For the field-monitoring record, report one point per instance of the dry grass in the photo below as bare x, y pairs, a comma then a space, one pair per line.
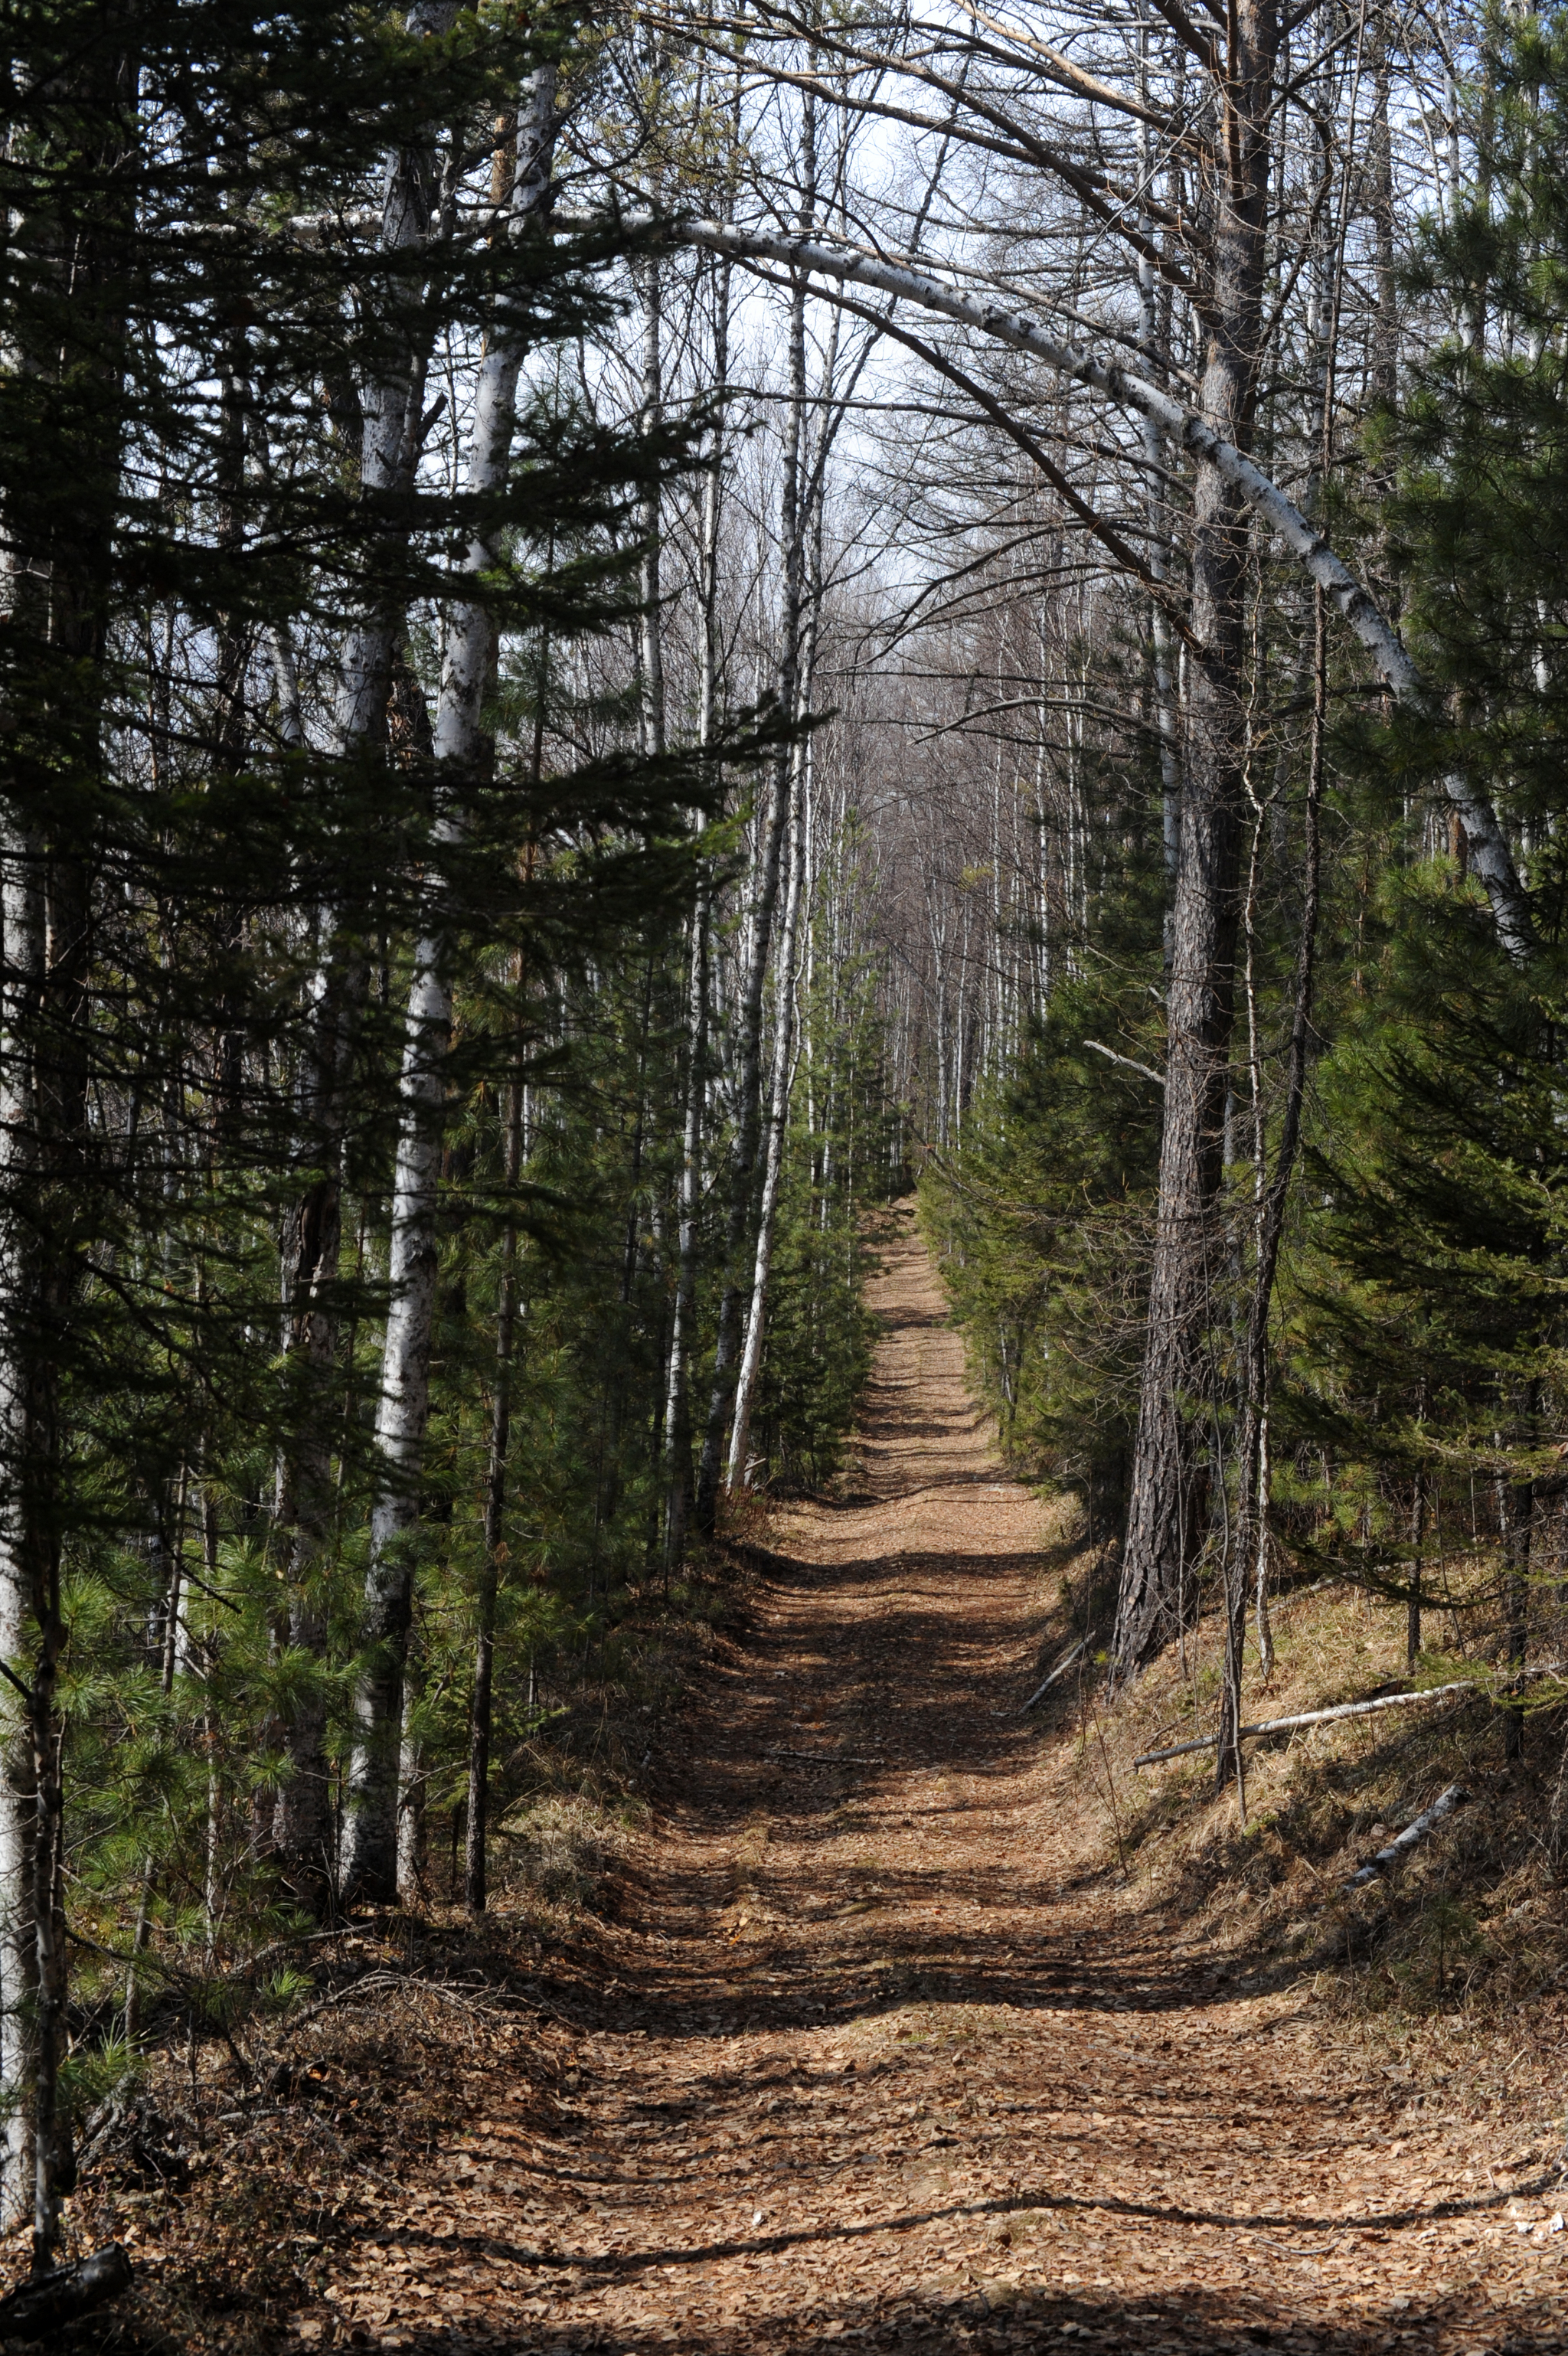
1456, 1965
558, 1846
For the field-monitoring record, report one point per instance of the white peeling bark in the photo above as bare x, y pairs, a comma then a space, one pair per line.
677, 1395
777, 1133
460, 749
651, 628
390, 402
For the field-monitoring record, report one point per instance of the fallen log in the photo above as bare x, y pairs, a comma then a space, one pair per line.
49, 2301
1400, 1846
1059, 1671
1312, 1718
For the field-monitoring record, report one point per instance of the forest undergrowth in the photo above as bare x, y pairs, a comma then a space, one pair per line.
1448, 1971
268, 2116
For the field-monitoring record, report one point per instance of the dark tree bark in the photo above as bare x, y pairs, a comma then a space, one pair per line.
1165, 1507
475, 1892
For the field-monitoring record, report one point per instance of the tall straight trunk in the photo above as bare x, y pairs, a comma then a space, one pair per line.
776, 1139
1165, 1511
678, 1400
1385, 331
1249, 1535
56, 532
42, 1120
650, 666
1516, 1517
784, 982
748, 1094
1154, 304
749, 1048
476, 1828
461, 754
677, 1408
390, 405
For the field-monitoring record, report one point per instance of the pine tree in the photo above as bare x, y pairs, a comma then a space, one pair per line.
1430, 1279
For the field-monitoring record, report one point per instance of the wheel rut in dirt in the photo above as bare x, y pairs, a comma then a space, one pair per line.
885, 2055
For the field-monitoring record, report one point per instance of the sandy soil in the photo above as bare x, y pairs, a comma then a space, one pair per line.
886, 2056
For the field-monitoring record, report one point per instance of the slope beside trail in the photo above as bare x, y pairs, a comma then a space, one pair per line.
886, 2056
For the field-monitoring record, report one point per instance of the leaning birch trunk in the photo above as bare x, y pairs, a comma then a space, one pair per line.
785, 977
369, 1850
777, 1137
390, 405
1490, 855
748, 1076
748, 1080
748, 1093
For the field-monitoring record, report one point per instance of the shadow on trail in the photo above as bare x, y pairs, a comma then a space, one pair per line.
977, 2308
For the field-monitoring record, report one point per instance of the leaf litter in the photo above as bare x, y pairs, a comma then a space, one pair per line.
878, 2053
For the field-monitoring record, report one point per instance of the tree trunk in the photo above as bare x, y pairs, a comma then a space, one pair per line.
1154, 302
777, 1139
677, 1401
479, 1717
1250, 1537
56, 562
462, 753
1165, 1512
391, 408
42, 1116
650, 650
749, 1075
678, 1407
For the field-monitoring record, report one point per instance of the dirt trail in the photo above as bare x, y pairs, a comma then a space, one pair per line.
889, 2058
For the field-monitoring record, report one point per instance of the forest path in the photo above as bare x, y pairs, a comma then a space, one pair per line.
889, 2059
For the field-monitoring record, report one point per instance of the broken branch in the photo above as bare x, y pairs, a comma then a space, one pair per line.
1059, 1671
1311, 1717
1399, 1849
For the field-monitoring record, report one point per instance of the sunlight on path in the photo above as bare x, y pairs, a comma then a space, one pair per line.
881, 2054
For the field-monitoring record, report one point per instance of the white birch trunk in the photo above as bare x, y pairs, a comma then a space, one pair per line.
777, 1136
55, 564
766, 872
391, 408
370, 1845
677, 1405
651, 628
